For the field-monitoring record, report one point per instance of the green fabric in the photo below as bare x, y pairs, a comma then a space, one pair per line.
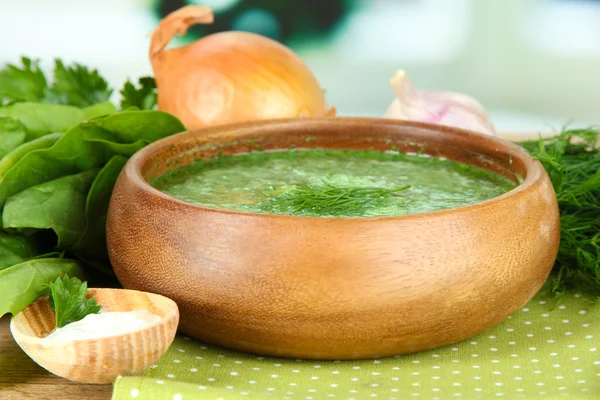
544, 351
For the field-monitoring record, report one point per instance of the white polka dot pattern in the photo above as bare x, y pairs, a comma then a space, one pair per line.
543, 351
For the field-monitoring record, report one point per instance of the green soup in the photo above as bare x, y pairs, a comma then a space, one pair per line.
331, 183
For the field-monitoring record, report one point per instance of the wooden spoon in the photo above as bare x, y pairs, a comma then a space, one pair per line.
98, 360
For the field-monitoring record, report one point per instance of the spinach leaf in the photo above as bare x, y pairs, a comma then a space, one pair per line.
15, 249
25, 83
52, 254
41, 119
69, 302
12, 158
12, 134
69, 155
88, 145
92, 243
22, 284
58, 205
97, 110
126, 132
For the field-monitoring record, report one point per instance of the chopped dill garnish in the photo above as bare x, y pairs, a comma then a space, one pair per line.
572, 160
327, 199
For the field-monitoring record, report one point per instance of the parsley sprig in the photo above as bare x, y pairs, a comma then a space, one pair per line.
68, 299
143, 97
22, 83
75, 85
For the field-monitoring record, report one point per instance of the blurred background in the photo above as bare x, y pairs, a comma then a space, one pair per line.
534, 64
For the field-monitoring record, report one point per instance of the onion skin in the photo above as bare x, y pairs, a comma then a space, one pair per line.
443, 108
229, 77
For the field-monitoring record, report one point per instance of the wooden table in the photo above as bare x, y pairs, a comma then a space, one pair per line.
21, 378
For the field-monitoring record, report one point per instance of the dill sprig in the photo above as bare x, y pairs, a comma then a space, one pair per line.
327, 199
572, 160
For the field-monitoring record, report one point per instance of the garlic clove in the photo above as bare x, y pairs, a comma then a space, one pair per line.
437, 107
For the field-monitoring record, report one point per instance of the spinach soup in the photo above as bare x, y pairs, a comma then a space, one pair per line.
331, 183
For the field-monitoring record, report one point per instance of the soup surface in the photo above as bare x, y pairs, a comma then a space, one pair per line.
331, 183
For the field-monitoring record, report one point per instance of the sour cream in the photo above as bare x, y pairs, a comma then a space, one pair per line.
105, 324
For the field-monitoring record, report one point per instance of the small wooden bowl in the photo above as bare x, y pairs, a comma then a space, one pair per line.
335, 288
98, 360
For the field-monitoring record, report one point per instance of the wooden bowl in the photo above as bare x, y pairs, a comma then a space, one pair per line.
335, 288
98, 360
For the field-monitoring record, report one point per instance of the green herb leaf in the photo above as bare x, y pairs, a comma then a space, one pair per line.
144, 97
12, 158
86, 146
327, 199
68, 155
68, 299
77, 85
572, 161
42, 119
92, 243
126, 132
97, 110
12, 134
26, 83
74, 85
23, 283
58, 205
15, 250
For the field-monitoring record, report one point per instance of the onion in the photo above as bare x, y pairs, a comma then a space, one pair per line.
443, 108
229, 76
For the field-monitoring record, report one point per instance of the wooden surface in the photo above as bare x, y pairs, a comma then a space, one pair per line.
21, 378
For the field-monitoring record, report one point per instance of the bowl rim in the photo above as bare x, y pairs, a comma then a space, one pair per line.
133, 168
36, 339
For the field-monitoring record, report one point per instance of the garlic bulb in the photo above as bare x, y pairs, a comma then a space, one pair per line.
443, 108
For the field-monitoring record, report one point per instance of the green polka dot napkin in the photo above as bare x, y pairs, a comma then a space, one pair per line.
544, 351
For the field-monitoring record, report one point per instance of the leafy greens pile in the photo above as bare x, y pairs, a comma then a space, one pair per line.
572, 160
62, 147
